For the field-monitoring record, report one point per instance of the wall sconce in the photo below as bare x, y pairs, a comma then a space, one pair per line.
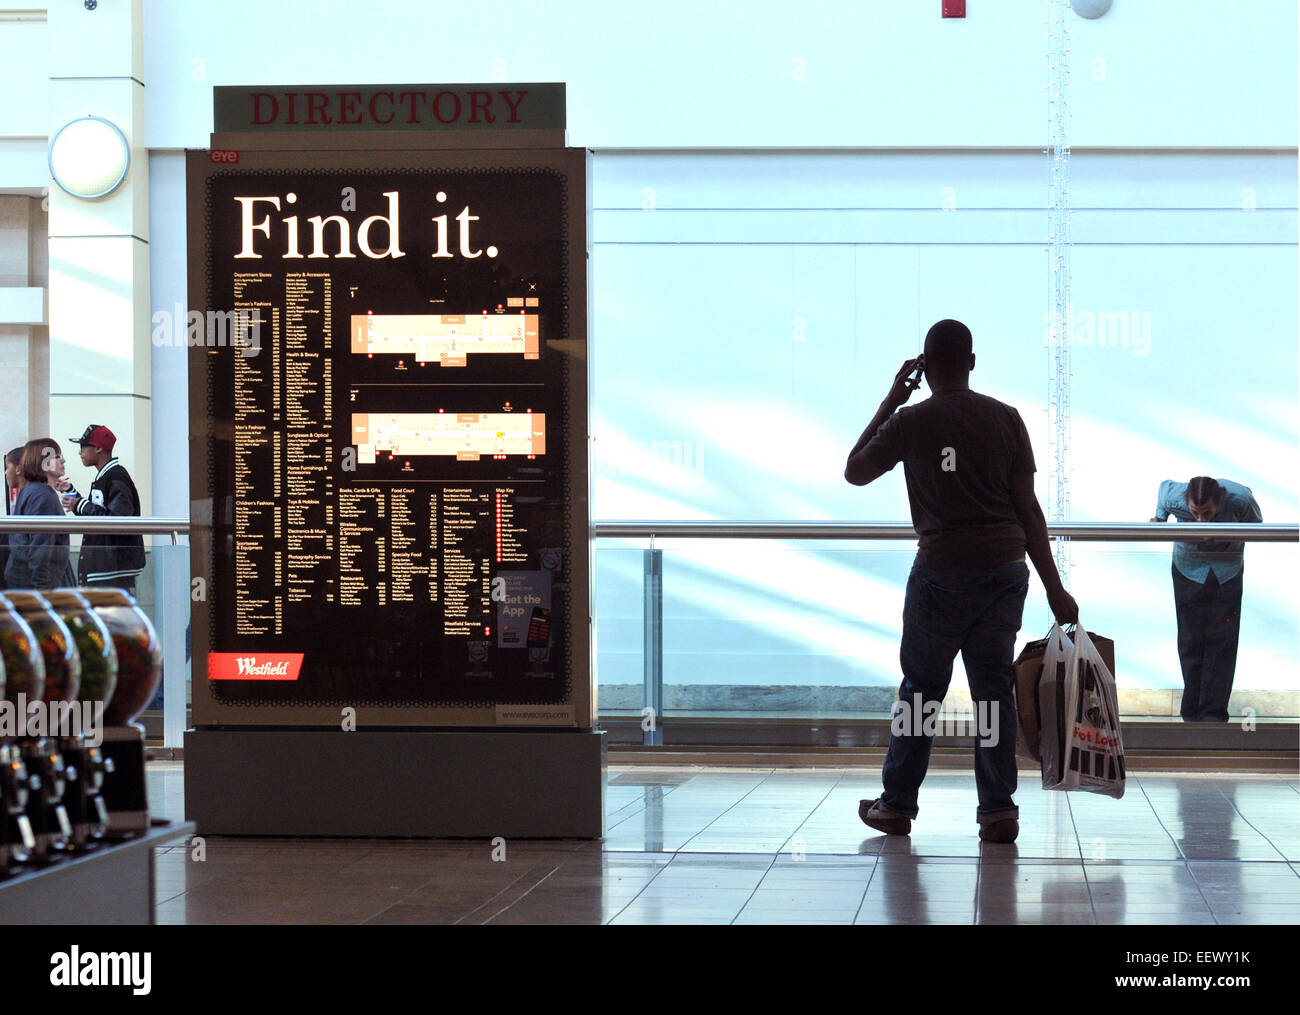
1090, 9
89, 157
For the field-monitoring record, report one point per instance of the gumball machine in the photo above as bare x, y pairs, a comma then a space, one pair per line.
16, 838
139, 671
97, 660
47, 771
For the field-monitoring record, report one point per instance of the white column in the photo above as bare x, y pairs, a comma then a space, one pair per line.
100, 355
99, 249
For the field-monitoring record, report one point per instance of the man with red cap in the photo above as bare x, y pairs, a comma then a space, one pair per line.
106, 559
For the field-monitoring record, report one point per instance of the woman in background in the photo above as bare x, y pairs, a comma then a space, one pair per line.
13, 480
13, 477
39, 560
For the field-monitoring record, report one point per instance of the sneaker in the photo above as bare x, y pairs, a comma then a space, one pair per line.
1005, 830
874, 816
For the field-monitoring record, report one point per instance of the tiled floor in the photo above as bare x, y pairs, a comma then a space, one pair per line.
744, 846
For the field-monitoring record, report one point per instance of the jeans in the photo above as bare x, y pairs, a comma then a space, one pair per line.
976, 613
1209, 622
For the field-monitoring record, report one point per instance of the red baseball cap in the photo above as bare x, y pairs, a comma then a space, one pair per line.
97, 437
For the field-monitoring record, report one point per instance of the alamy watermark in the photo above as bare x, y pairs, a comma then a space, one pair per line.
75, 968
682, 457
1111, 329
920, 718
238, 329
23, 718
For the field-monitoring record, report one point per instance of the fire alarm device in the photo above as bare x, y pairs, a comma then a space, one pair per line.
954, 8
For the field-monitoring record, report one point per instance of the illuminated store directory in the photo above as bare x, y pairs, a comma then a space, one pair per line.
394, 432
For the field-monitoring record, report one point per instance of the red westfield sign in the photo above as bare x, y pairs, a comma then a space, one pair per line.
254, 665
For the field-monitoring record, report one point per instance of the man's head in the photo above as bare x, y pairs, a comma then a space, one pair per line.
97, 442
1204, 498
948, 356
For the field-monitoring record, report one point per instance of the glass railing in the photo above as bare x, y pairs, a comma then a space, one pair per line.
803, 621
754, 622
163, 592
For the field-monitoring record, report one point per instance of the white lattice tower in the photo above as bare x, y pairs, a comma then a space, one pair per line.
1058, 256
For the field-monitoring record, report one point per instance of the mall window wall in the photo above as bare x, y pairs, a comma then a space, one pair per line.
751, 309
783, 205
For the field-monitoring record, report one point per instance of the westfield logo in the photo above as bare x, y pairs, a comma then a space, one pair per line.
254, 666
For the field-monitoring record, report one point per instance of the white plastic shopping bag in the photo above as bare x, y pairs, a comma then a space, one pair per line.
1090, 755
1051, 708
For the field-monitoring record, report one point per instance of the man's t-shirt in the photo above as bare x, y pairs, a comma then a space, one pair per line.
959, 450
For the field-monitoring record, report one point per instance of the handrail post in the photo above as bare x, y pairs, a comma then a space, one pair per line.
653, 633
172, 618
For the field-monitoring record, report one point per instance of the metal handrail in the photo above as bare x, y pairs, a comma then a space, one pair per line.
1140, 532
96, 524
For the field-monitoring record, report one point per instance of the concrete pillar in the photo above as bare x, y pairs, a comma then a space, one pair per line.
99, 327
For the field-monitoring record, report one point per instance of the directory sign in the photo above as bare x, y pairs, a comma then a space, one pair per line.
388, 391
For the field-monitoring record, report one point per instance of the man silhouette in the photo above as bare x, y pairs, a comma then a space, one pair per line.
969, 470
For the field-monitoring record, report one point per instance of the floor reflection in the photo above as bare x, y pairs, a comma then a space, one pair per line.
745, 846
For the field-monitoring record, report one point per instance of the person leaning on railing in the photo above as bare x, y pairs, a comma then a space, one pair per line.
39, 560
1207, 591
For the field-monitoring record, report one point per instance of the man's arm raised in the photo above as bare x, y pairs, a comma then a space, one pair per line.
860, 470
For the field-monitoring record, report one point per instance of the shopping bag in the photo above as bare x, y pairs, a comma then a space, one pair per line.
1051, 711
1028, 671
1091, 752
1028, 668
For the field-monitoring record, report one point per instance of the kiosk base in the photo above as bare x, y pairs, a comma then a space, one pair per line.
435, 783
113, 884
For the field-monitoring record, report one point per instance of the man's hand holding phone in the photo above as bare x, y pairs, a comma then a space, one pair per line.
907, 380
